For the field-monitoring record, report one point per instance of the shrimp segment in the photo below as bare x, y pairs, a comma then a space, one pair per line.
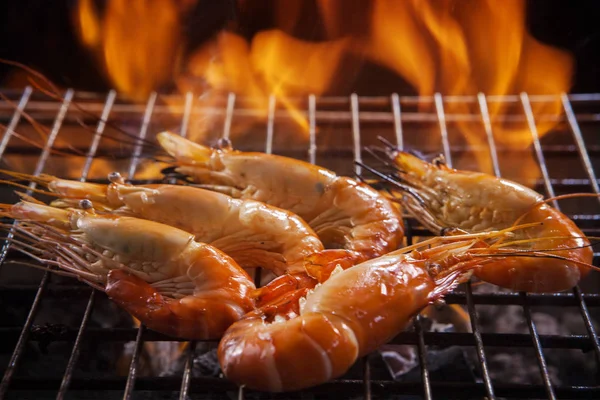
477, 202
159, 274
349, 315
344, 213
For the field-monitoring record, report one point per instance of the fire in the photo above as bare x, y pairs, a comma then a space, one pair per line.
463, 48
138, 42
450, 47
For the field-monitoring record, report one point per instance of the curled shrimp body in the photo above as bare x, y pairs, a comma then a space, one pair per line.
441, 197
253, 233
317, 338
159, 274
344, 213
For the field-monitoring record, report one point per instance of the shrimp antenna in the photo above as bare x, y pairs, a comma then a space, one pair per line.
35, 190
539, 255
391, 180
375, 152
53, 92
387, 143
567, 196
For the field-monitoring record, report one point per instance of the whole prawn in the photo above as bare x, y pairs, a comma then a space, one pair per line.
441, 197
253, 233
344, 213
312, 337
159, 274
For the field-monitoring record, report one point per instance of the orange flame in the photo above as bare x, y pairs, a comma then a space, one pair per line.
138, 42
451, 47
463, 48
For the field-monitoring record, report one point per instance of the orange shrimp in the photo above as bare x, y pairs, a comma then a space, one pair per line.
253, 233
344, 213
159, 274
441, 197
302, 341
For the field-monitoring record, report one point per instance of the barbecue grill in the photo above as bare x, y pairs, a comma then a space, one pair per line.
338, 130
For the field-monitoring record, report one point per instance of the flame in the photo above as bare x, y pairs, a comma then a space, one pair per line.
463, 48
139, 43
274, 63
446, 46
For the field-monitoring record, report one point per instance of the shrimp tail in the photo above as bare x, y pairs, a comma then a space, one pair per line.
184, 318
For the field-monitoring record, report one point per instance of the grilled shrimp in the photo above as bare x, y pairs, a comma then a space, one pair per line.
253, 233
441, 197
344, 213
159, 274
305, 341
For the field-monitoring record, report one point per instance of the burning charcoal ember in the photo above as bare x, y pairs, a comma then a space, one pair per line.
452, 363
519, 365
207, 364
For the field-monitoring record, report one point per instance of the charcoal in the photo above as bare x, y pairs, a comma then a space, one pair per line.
520, 365
207, 364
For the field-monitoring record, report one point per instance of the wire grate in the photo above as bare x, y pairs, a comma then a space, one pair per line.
337, 129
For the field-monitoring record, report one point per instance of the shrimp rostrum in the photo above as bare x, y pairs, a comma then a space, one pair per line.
556, 253
158, 273
344, 213
311, 339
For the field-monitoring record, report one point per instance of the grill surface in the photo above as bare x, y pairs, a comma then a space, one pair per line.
337, 130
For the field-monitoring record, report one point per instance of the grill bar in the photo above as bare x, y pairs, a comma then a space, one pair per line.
585, 158
367, 377
137, 150
356, 111
229, 116
187, 371
397, 113
356, 134
470, 306
14, 121
187, 112
133, 367
550, 190
312, 132
16, 356
64, 386
132, 169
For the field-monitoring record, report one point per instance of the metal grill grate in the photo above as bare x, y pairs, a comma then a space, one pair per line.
354, 120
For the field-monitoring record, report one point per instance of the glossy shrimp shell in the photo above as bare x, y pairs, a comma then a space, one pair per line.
253, 233
441, 197
350, 315
344, 213
159, 274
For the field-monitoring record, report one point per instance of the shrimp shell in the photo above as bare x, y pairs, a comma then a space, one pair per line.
159, 274
349, 315
344, 213
477, 202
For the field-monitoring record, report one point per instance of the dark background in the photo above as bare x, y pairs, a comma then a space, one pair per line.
41, 34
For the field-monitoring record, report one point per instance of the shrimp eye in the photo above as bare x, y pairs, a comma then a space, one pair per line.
439, 161
86, 204
224, 144
115, 177
435, 269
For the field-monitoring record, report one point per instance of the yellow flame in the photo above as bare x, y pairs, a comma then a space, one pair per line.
451, 47
463, 48
139, 42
